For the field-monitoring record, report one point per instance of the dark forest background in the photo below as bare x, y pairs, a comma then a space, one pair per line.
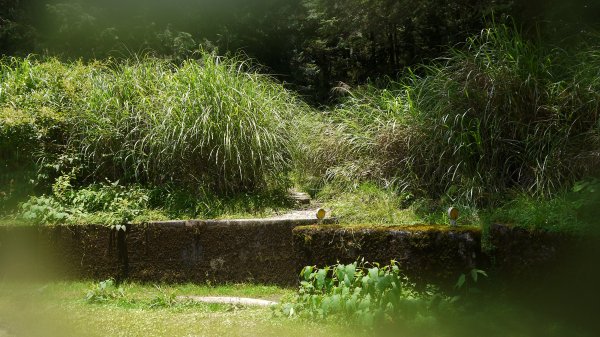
311, 45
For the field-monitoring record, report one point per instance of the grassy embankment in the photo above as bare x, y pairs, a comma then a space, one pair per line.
125, 139
499, 125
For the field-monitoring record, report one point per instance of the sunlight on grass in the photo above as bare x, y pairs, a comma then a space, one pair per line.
60, 309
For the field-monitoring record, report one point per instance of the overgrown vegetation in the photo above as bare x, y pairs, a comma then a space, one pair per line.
214, 123
210, 127
430, 104
379, 300
361, 293
312, 43
504, 114
572, 211
500, 114
115, 205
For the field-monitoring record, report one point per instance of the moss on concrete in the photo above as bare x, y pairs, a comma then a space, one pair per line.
437, 254
274, 251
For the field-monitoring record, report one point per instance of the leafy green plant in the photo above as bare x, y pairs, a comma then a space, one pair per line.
212, 123
105, 291
466, 282
164, 299
45, 210
363, 292
114, 204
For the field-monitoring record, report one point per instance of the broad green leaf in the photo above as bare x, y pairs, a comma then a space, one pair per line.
320, 277
474, 274
350, 270
365, 303
365, 282
461, 281
374, 273
306, 272
340, 272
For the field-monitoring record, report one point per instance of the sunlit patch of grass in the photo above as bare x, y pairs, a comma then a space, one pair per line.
368, 203
573, 212
59, 309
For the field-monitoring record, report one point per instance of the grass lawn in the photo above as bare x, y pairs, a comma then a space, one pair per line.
60, 309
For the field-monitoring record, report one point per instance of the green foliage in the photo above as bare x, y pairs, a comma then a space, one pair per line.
110, 203
315, 43
466, 283
500, 114
179, 203
367, 203
25, 137
108, 292
116, 205
574, 211
164, 299
213, 124
45, 210
360, 293
354, 40
105, 291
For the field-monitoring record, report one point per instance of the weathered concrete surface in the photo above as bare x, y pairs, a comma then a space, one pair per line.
274, 250
63, 252
215, 251
425, 253
531, 255
253, 250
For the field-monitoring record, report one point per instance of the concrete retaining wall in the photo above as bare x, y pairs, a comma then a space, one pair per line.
267, 251
172, 251
425, 253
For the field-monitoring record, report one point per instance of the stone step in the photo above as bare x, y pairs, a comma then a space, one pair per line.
300, 198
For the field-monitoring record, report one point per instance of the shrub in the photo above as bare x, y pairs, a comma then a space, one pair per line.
502, 113
109, 203
213, 123
359, 292
506, 113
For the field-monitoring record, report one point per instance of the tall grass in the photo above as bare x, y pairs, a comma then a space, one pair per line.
506, 113
213, 123
500, 113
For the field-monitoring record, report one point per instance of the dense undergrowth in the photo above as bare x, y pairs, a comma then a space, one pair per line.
213, 123
208, 127
500, 114
499, 118
380, 300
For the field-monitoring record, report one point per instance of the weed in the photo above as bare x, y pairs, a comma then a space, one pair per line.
214, 123
105, 291
364, 293
499, 114
164, 299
